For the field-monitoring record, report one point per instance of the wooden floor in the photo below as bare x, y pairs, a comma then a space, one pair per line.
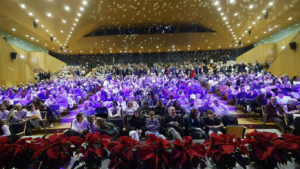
253, 122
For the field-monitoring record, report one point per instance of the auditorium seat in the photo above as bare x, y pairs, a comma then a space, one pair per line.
118, 122
264, 116
18, 128
237, 130
56, 107
44, 120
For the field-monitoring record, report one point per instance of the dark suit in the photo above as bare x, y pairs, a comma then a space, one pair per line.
271, 111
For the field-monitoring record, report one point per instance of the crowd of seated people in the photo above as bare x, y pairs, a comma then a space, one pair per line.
142, 96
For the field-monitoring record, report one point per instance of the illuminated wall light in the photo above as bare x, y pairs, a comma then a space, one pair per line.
23, 6
30, 14
251, 6
49, 14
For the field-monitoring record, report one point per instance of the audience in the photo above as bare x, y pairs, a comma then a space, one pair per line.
32, 119
173, 124
17, 113
219, 108
115, 111
107, 128
153, 126
7, 132
195, 125
213, 123
4, 113
79, 126
136, 126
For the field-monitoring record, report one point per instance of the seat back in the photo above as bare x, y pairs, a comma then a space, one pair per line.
185, 122
229, 119
237, 130
43, 114
18, 128
297, 126
118, 122
55, 107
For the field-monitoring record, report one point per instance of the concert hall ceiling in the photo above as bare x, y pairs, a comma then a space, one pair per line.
85, 26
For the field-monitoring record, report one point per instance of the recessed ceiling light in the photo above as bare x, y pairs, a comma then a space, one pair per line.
76, 19
101, 51
198, 48
79, 14
64, 21
13, 29
84, 2
270, 29
255, 36
290, 18
224, 18
276, 26
57, 41
42, 26
45, 44
81, 8
37, 20
264, 11
47, 30
235, 14
282, 47
228, 26
49, 14
222, 14
67, 8
242, 34
258, 17
226, 22
50, 34
248, 40
74, 24
265, 32
32, 38
231, 1
238, 24
72, 28
208, 47
62, 31
173, 46
230, 29
253, 22
249, 27
271, 3
80, 51
216, 3
30, 13
71, 32
54, 38
251, 6
23, 6
219, 46
219, 8
142, 47
69, 35
27, 36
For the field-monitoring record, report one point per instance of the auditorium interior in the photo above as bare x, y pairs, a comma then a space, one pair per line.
153, 74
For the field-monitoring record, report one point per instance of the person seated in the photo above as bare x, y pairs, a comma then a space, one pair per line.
156, 99
295, 93
183, 101
135, 105
213, 123
281, 99
258, 102
107, 128
17, 113
87, 110
62, 101
276, 113
26, 101
115, 111
7, 132
136, 126
7, 104
219, 108
203, 110
251, 94
153, 126
92, 125
129, 110
173, 124
101, 111
43, 95
178, 109
51, 100
50, 114
198, 101
148, 99
32, 119
79, 126
145, 109
121, 103
195, 125
4, 114
37, 103
159, 109
188, 108
291, 108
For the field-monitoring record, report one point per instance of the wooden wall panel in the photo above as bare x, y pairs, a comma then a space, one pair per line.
13, 71
283, 43
288, 61
47, 62
31, 61
260, 53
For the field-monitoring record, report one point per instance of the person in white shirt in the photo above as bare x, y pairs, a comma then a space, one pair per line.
3, 112
32, 119
50, 101
5, 131
79, 126
291, 107
219, 108
282, 99
17, 113
115, 111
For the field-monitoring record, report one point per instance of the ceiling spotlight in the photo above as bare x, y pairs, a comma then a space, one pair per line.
50, 34
253, 22
67, 8
54, 38
69, 35
49, 14
22, 56
74, 24
27, 36
235, 14
47, 31
64, 21
258, 17
23, 6
228, 26
249, 27
255, 36
276, 26
219, 8
290, 18
271, 3
242, 34
230, 29
282, 47
142, 47
265, 32
238, 24
45, 44
13, 29
81, 8
62, 31
173, 46
231, 1
84, 2
222, 14
30, 13
42, 26
76, 19
270, 29
37, 40
251, 6
37, 20
32, 38
72, 28
264, 11
248, 40
216, 3
226, 22
79, 14
224, 18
